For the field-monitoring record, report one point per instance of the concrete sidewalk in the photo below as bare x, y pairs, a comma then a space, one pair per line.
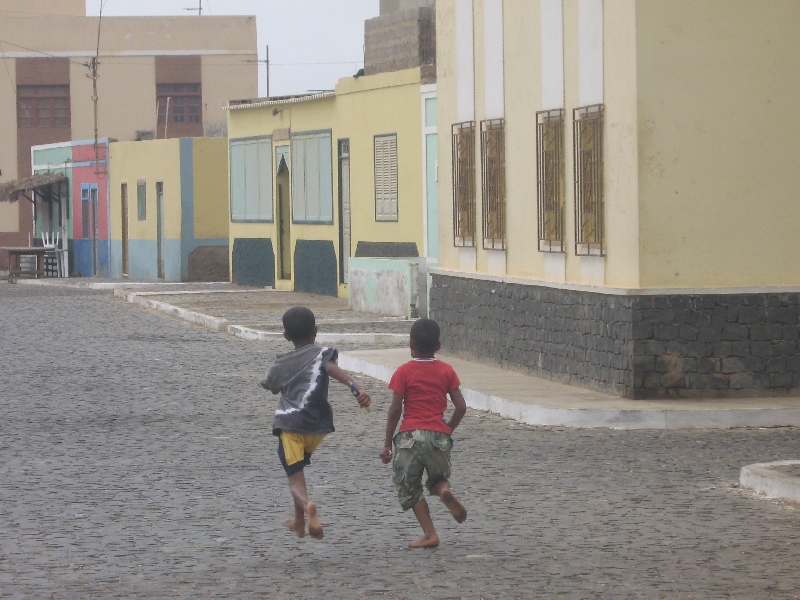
254, 314
536, 401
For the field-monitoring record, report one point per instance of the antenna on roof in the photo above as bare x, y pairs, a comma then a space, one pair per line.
199, 8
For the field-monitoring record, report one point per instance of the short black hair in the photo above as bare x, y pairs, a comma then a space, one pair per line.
299, 323
425, 335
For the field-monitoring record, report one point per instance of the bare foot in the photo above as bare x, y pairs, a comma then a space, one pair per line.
426, 541
314, 526
456, 508
299, 529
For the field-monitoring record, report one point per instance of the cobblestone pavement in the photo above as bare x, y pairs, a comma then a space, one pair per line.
262, 310
136, 460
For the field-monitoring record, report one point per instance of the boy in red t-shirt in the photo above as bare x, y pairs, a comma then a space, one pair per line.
421, 387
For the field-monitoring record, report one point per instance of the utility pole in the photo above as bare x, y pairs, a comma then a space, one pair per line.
199, 8
267, 63
92, 65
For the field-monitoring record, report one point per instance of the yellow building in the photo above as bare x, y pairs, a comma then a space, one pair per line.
651, 146
317, 179
169, 209
158, 77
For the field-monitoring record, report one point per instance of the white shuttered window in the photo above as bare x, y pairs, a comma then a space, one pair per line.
312, 178
251, 180
386, 177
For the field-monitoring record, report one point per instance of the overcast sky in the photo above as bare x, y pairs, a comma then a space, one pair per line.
312, 43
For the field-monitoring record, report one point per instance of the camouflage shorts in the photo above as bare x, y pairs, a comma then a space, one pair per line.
417, 451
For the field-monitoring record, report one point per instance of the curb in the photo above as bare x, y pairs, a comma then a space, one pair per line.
246, 333
766, 479
186, 315
531, 414
111, 285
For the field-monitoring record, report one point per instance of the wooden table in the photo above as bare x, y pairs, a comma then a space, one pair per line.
14, 262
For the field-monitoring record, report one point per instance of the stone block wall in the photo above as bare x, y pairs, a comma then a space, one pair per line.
716, 345
400, 40
638, 346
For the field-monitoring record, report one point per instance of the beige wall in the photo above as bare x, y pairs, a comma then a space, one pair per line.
523, 93
16, 8
446, 91
620, 148
719, 144
122, 108
9, 211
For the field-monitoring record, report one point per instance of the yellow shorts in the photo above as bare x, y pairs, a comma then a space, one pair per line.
295, 450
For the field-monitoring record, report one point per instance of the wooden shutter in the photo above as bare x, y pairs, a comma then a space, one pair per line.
386, 178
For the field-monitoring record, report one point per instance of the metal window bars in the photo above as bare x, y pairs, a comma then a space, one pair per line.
464, 184
550, 179
493, 175
588, 147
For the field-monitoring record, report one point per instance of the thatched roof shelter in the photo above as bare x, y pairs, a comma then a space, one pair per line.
12, 191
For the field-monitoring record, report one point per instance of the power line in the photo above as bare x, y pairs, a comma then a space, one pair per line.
40, 52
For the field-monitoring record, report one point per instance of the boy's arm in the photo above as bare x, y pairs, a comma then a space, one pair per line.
461, 408
269, 383
392, 419
343, 376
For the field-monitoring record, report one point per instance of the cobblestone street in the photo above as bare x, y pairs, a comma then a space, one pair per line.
137, 460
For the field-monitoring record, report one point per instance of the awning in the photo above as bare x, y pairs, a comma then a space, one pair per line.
11, 191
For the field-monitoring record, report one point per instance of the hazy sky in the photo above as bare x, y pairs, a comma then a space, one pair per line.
312, 43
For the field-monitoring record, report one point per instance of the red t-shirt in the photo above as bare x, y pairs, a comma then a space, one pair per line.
424, 384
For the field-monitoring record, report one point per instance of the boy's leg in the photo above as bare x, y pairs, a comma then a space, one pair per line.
295, 451
430, 539
303, 507
297, 485
442, 489
439, 468
408, 470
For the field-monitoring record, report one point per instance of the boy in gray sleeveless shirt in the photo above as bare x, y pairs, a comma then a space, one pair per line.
304, 416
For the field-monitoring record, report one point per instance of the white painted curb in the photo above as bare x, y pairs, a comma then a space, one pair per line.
246, 333
766, 479
186, 315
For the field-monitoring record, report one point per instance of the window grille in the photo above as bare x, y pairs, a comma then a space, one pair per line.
386, 177
43, 106
588, 146
550, 179
185, 103
493, 164
464, 184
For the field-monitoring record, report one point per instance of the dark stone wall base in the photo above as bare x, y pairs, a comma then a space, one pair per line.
661, 346
253, 262
315, 268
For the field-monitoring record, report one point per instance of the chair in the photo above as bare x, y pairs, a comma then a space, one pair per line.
55, 257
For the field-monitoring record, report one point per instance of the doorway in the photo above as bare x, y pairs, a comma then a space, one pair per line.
125, 259
344, 209
283, 181
160, 227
